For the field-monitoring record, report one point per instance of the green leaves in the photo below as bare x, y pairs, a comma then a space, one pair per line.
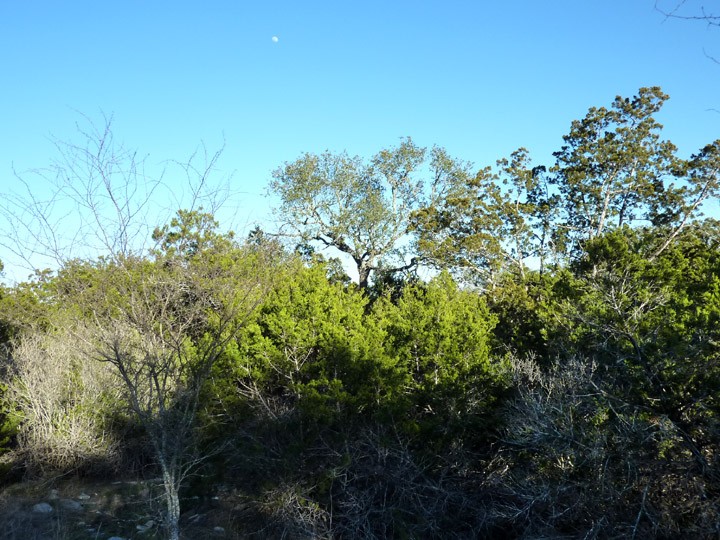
360, 209
438, 331
652, 321
423, 359
486, 222
191, 233
440, 335
614, 168
461, 231
312, 344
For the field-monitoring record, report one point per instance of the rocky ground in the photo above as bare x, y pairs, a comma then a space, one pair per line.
79, 510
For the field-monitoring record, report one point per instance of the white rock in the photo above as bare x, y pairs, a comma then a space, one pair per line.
148, 525
42, 508
69, 504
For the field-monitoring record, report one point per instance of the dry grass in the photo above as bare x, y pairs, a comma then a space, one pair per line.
62, 394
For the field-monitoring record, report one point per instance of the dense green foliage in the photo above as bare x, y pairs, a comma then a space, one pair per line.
530, 351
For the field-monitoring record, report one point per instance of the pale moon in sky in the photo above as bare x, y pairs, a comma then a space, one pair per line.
275, 39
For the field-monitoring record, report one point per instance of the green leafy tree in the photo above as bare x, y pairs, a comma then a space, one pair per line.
612, 167
189, 234
615, 170
487, 222
529, 311
629, 412
9, 418
358, 208
312, 346
526, 212
461, 231
652, 323
701, 182
441, 336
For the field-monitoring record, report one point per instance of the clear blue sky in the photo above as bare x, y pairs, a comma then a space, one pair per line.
479, 78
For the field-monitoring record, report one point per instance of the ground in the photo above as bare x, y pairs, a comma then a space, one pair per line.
74, 509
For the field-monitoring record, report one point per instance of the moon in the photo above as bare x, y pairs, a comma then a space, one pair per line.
275, 39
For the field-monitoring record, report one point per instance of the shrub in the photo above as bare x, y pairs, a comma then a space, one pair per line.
66, 401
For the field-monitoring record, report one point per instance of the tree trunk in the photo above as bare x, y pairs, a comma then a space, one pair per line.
172, 502
364, 270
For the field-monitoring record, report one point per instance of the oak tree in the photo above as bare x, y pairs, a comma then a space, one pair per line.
355, 207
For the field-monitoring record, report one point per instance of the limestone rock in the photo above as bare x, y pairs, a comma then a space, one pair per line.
42, 508
69, 504
147, 526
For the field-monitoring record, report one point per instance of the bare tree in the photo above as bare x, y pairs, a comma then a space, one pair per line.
94, 197
162, 325
158, 306
99, 197
690, 11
